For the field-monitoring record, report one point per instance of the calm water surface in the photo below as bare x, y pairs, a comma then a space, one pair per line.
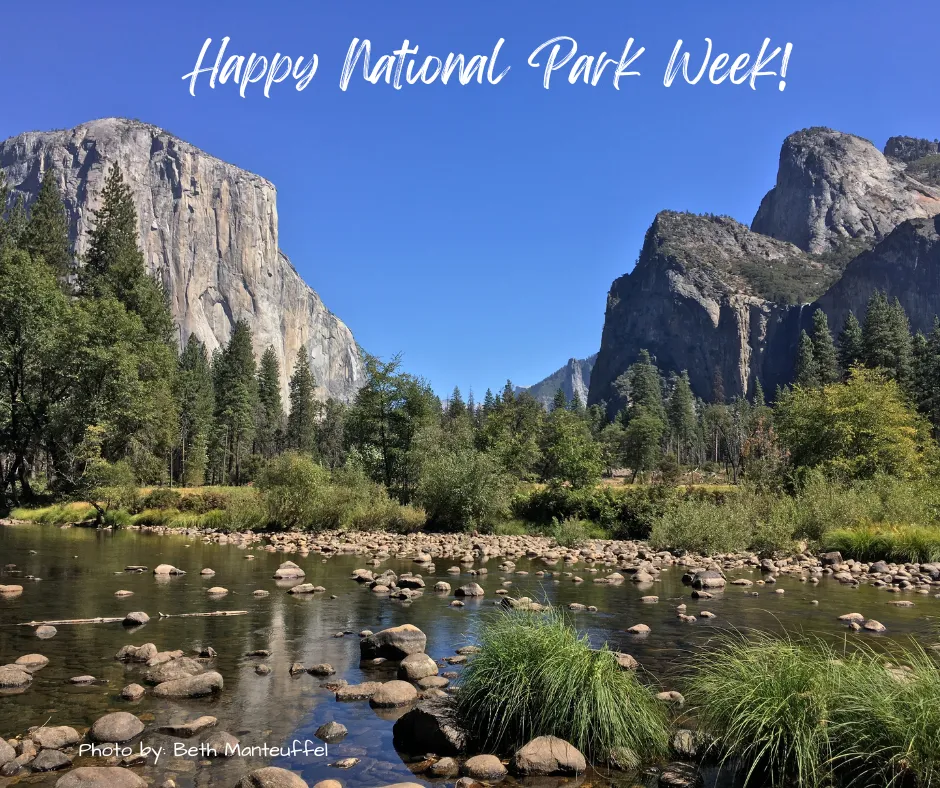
80, 569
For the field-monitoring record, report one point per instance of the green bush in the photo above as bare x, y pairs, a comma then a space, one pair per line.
462, 490
117, 518
906, 543
162, 498
574, 533
155, 517
534, 676
292, 486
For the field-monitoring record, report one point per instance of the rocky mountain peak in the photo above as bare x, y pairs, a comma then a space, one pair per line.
908, 149
835, 188
208, 230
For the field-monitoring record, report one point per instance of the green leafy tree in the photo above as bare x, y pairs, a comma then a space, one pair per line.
304, 407
511, 431
569, 452
643, 437
46, 235
854, 430
331, 447
824, 350
269, 421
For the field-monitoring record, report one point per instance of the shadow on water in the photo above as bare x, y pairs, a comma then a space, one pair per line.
81, 570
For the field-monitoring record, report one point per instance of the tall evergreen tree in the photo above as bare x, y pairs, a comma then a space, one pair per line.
46, 235
878, 334
807, 373
196, 404
304, 408
559, 401
851, 344
269, 426
681, 412
760, 400
114, 264
644, 387
900, 328
236, 397
824, 350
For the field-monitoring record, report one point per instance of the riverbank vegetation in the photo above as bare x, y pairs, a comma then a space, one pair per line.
98, 398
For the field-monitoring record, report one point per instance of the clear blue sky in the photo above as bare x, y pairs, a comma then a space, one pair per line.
477, 229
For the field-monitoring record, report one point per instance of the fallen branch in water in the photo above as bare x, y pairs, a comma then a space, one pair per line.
100, 620
205, 615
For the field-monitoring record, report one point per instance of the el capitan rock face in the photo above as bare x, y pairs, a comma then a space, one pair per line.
833, 188
208, 230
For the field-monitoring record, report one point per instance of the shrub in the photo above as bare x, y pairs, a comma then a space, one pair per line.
898, 543
462, 490
292, 487
573, 533
768, 702
162, 498
59, 514
117, 518
534, 676
155, 517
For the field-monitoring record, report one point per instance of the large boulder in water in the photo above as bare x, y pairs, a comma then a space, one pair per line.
394, 643
56, 737
180, 668
142, 653
548, 755
191, 687
431, 726
708, 578
14, 677
289, 571
119, 726
100, 777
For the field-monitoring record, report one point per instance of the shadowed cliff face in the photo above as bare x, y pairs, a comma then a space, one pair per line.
208, 230
906, 265
708, 296
834, 187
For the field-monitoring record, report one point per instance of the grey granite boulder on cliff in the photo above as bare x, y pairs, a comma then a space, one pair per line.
908, 149
707, 295
209, 231
833, 188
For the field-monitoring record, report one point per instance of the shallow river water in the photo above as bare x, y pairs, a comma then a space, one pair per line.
80, 569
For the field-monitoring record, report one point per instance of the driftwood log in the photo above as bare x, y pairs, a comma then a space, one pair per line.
103, 620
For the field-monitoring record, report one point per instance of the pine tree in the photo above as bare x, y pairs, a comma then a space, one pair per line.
824, 350
878, 334
12, 219
304, 409
760, 400
681, 412
489, 401
236, 398
851, 344
807, 373
559, 401
269, 425
576, 405
900, 328
645, 386
196, 403
114, 264
46, 235
718, 388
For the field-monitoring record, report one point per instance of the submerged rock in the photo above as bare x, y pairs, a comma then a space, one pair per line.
191, 687
100, 777
116, 727
271, 777
548, 755
484, 767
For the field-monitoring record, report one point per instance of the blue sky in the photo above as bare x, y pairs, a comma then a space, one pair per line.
477, 229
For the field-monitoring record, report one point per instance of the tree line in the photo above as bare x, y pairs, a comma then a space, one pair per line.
97, 392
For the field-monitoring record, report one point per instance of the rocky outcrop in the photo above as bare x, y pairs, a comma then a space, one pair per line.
574, 379
209, 231
908, 149
833, 188
906, 265
709, 296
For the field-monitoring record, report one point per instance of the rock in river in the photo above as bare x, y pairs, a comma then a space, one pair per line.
100, 777
271, 777
289, 571
167, 569
394, 693
118, 726
484, 767
136, 618
56, 737
190, 687
548, 755
331, 732
179, 668
471, 589
45, 632
50, 761
143, 653
417, 666
32, 662
394, 643
431, 726
13, 676
191, 728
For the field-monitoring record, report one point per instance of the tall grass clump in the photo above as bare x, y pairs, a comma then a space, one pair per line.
534, 676
886, 726
901, 543
572, 532
58, 514
768, 702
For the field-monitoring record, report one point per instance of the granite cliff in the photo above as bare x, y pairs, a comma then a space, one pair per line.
573, 378
727, 303
208, 230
